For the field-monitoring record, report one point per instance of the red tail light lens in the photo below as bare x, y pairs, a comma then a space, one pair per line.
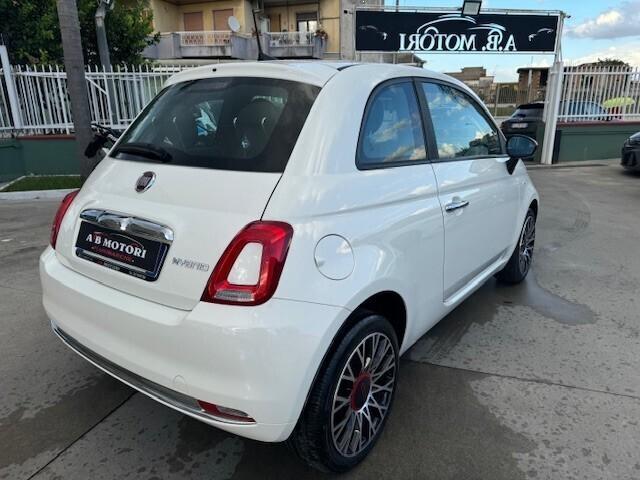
274, 239
57, 220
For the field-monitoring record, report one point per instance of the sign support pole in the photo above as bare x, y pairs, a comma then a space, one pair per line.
552, 103
14, 104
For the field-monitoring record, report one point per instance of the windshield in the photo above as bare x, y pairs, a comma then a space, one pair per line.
527, 112
233, 123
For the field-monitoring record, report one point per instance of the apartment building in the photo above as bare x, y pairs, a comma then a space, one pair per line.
287, 28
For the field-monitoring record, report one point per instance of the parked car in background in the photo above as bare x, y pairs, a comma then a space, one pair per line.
582, 111
631, 153
247, 255
526, 120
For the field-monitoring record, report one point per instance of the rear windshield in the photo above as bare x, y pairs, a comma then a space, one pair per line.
527, 112
233, 123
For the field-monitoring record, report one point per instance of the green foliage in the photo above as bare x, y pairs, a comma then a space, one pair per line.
31, 32
29, 28
611, 62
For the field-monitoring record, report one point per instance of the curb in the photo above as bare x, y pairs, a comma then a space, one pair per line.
36, 194
580, 163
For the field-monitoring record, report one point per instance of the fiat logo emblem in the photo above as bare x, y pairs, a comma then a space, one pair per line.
145, 181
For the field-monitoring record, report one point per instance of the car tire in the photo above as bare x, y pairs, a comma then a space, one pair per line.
519, 264
353, 392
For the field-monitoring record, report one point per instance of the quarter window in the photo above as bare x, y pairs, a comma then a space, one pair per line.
392, 128
460, 129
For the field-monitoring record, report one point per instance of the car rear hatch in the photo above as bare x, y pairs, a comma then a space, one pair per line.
199, 164
525, 120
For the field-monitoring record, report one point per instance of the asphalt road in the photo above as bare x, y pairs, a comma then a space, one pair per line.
536, 381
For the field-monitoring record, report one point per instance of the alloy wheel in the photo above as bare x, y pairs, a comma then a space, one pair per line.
527, 241
363, 394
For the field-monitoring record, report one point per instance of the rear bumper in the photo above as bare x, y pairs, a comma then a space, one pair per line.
260, 360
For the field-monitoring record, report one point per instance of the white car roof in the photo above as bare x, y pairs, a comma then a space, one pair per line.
315, 72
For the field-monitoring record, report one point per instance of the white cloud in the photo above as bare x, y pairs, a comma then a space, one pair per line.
617, 22
627, 52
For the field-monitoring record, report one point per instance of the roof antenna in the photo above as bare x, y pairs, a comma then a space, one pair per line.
261, 55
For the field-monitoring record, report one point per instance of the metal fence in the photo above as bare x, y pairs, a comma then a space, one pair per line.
502, 98
115, 96
600, 93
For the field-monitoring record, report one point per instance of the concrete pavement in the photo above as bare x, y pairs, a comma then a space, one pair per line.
535, 381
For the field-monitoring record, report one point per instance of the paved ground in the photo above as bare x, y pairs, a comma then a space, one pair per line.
538, 381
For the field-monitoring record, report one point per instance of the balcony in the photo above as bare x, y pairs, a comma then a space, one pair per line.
205, 38
205, 43
226, 44
295, 45
290, 39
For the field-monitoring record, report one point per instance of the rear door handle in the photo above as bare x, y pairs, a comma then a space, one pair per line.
455, 205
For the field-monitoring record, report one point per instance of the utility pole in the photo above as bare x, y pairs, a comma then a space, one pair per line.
76, 82
103, 52
101, 33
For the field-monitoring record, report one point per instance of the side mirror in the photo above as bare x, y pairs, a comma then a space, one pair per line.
519, 147
95, 145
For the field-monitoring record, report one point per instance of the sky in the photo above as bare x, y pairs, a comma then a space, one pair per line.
596, 29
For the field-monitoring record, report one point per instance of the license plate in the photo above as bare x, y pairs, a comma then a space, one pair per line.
519, 125
126, 253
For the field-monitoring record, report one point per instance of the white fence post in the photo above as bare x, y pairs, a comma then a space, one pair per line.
551, 112
14, 103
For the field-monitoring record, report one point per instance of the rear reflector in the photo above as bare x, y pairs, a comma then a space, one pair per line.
57, 220
249, 269
225, 413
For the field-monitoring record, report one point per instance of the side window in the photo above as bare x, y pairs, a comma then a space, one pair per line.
392, 128
460, 129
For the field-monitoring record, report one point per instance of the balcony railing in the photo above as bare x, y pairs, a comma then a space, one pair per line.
207, 38
290, 39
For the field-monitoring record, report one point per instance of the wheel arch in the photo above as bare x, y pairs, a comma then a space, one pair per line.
387, 303
534, 206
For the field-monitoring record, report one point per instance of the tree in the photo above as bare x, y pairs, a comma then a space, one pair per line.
611, 62
30, 30
76, 83
129, 31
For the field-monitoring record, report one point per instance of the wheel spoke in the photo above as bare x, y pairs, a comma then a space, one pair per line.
340, 402
348, 375
387, 387
339, 428
374, 403
367, 418
389, 364
348, 433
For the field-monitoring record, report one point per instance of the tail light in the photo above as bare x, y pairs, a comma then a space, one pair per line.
249, 269
57, 220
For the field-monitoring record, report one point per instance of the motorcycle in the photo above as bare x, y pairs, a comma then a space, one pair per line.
103, 138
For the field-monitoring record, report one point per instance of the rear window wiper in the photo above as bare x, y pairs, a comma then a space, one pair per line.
146, 150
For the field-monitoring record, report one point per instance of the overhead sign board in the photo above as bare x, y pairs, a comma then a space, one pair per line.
438, 32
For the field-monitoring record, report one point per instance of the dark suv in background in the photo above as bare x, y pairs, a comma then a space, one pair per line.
631, 153
526, 120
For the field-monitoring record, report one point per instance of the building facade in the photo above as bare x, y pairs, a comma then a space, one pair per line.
313, 29
287, 29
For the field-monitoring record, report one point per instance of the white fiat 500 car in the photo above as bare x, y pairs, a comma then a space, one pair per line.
266, 239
